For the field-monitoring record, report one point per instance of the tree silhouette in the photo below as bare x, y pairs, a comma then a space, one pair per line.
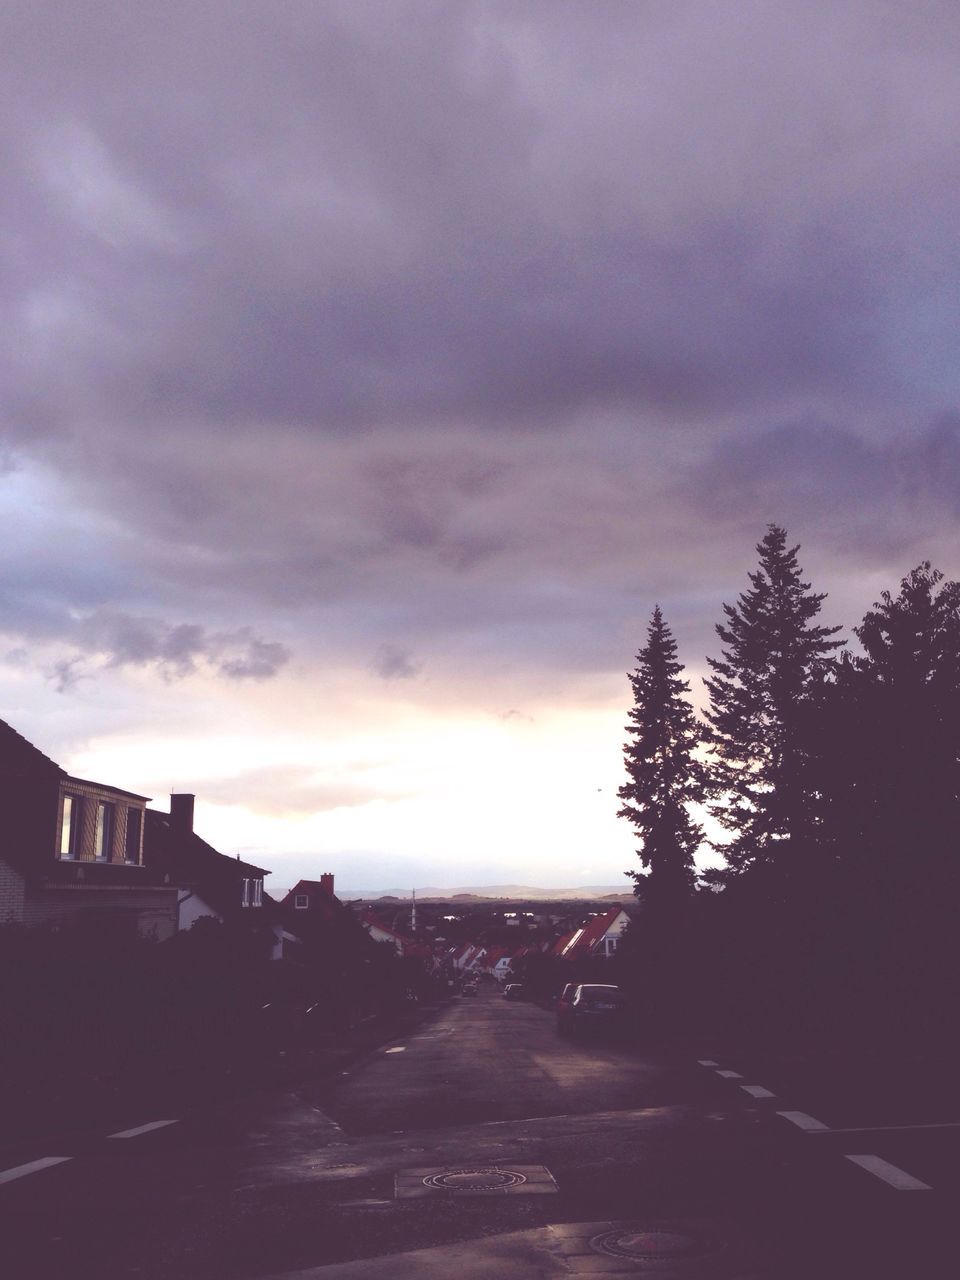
911, 696
664, 776
773, 653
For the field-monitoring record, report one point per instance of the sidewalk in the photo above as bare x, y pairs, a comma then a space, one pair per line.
671, 1251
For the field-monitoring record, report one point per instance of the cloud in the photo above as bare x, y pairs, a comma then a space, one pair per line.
110, 639
289, 791
863, 497
395, 663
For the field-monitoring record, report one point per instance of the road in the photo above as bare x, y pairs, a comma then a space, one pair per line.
666, 1165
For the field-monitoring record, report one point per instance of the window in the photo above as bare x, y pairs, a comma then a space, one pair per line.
70, 827
252, 893
301, 901
103, 838
133, 839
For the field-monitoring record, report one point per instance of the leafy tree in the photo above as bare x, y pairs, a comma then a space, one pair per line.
774, 654
664, 776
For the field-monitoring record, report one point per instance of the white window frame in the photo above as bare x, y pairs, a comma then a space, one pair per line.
251, 892
301, 901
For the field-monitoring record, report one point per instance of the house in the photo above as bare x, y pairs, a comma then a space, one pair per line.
402, 943
70, 846
598, 937
322, 925
209, 884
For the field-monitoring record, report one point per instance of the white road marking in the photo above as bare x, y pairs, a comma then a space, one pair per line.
707, 1062
401, 1048
730, 1075
22, 1170
809, 1124
143, 1128
757, 1091
889, 1173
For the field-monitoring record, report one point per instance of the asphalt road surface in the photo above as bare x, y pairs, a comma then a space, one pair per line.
481, 1125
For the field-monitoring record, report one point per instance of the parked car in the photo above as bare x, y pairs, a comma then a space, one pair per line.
563, 1003
513, 991
470, 986
594, 1007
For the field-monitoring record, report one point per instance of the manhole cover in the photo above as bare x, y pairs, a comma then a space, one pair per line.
654, 1244
488, 1179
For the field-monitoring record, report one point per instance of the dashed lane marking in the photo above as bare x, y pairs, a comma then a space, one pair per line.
730, 1075
401, 1048
809, 1124
22, 1170
143, 1128
899, 1179
707, 1062
757, 1091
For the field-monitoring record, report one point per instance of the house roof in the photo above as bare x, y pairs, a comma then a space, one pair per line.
582, 941
104, 786
191, 862
19, 756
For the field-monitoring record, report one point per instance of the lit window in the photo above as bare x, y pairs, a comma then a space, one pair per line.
301, 901
134, 836
70, 827
103, 839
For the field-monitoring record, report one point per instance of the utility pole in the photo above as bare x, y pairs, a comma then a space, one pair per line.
413, 914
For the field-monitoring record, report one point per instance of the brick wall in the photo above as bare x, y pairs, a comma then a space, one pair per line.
156, 912
11, 894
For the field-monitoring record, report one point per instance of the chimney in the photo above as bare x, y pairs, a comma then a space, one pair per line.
181, 811
326, 884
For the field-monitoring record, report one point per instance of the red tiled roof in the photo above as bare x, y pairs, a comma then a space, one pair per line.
583, 940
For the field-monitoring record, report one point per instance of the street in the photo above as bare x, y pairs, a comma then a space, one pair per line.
484, 1144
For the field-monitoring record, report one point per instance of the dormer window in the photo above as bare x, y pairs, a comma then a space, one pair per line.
301, 901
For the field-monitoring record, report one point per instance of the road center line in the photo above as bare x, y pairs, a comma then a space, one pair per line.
757, 1091
22, 1170
809, 1124
401, 1048
143, 1128
707, 1062
730, 1075
889, 1173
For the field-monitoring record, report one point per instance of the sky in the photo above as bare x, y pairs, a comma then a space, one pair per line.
370, 370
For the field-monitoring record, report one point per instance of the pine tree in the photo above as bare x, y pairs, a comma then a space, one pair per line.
665, 778
911, 703
773, 654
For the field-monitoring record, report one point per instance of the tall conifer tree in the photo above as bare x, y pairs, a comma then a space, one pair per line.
773, 652
664, 776
911, 697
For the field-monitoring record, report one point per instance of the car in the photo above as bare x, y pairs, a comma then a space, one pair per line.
562, 1005
513, 991
470, 986
594, 1007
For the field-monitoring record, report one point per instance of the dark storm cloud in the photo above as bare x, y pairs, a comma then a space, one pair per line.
869, 498
395, 663
443, 318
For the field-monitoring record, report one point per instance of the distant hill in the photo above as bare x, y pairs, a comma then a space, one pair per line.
488, 892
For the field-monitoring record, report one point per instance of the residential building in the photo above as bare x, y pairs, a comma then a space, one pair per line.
70, 846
